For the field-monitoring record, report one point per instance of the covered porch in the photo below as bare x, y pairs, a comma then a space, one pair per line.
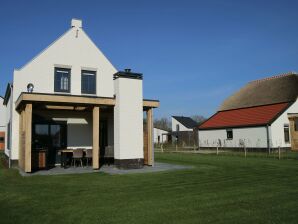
51, 124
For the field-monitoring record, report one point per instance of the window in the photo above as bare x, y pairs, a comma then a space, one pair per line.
88, 82
286, 133
177, 127
296, 124
229, 134
2, 140
62, 80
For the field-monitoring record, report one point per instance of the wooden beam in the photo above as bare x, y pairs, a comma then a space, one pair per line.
95, 151
28, 137
64, 99
21, 140
150, 139
151, 103
74, 100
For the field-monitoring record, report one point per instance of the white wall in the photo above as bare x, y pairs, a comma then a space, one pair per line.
161, 134
128, 119
253, 137
277, 127
181, 126
70, 51
2, 116
8, 119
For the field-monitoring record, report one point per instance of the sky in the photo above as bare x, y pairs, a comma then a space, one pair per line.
193, 54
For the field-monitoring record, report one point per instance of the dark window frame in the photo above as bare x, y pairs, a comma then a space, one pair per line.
57, 84
229, 134
2, 139
94, 74
296, 124
286, 133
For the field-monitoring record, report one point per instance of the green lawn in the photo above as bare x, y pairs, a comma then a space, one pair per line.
220, 189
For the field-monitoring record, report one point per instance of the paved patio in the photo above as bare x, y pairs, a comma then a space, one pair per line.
158, 167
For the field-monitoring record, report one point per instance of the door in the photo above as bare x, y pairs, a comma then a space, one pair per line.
50, 137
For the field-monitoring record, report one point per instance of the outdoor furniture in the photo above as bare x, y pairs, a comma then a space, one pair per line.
88, 156
77, 156
63, 153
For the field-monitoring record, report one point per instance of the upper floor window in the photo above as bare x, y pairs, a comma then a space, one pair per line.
88, 82
62, 80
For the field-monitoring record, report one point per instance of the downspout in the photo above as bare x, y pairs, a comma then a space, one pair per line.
268, 138
10, 144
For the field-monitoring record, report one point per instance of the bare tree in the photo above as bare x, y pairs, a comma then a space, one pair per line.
198, 118
162, 123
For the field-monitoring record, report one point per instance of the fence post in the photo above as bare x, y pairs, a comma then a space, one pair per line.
279, 152
176, 147
244, 150
161, 147
216, 150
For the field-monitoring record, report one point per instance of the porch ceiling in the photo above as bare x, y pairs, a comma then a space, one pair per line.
72, 100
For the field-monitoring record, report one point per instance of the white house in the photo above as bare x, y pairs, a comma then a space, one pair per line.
2, 124
263, 114
181, 123
160, 135
184, 131
70, 96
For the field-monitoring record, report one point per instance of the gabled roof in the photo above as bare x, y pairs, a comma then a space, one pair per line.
186, 121
277, 89
245, 117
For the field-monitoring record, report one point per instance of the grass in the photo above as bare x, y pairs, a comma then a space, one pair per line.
220, 189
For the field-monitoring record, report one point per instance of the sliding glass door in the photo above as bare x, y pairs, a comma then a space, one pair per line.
50, 137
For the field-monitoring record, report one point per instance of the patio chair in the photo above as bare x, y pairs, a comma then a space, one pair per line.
88, 156
77, 156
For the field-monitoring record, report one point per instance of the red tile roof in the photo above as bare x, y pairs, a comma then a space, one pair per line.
251, 116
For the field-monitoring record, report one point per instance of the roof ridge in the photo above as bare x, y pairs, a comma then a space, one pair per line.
275, 77
262, 105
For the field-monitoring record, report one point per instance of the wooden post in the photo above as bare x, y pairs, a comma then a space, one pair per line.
245, 151
216, 150
28, 137
150, 140
95, 151
279, 152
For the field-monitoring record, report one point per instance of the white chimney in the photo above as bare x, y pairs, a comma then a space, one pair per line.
76, 23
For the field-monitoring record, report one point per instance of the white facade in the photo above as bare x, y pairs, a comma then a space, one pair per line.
128, 119
253, 137
74, 50
160, 136
176, 124
2, 116
277, 127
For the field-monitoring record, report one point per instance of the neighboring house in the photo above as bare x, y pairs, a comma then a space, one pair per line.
263, 114
184, 131
70, 96
161, 135
180, 123
2, 124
